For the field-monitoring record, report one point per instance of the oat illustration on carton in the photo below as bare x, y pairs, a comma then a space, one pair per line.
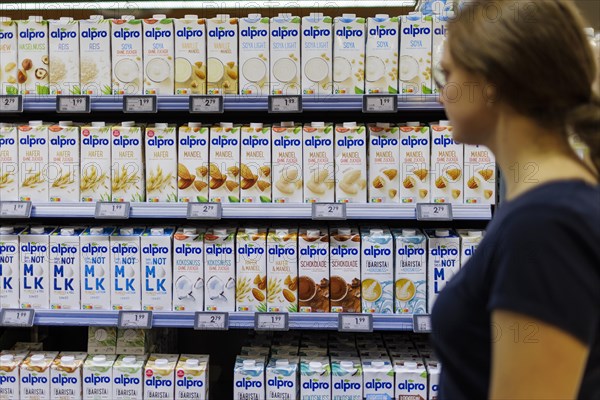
222, 55
98, 377
251, 270
255, 164
282, 270
128, 378
254, 55
9, 162
161, 163
193, 168
190, 55
64, 162
95, 159
351, 163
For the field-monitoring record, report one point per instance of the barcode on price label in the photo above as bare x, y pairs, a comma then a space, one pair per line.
329, 211
285, 104
434, 212
211, 321
206, 104
271, 322
355, 323
204, 211
375, 103
72, 104
422, 323
15, 209
11, 104
17, 317
135, 320
139, 104
113, 210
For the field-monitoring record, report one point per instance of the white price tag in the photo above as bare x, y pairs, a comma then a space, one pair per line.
113, 210
355, 323
135, 320
139, 104
11, 104
422, 323
271, 322
206, 104
377, 103
204, 211
17, 317
329, 211
434, 212
72, 104
285, 104
211, 321
15, 209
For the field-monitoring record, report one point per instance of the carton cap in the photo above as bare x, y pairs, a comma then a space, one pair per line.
6, 229
316, 15
317, 124
65, 19
127, 17
249, 363
285, 15
195, 124
36, 123
346, 364
475, 234
315, 365
127, 124
282, 363
349, 16
36, 18
376, 231
157, 231
64, 124
67, 231
129, 360
444, 123
378, 364
67, 360
126, 231
192, 362
98, 124
159, 16
220, 231
226, 124
37, 359
4, 124
381, 16
442, 232
256, 124
410, 364
161, 125
190, 16
251, 231
281, 232
345, 231
287, 124
254, 16
222, 16
99, 359
313, 233
409, 232
6, 358
413, 123
161, 362
349, 125
383, 124
96, 17
5, 19
38, 230
190, 231
96, 230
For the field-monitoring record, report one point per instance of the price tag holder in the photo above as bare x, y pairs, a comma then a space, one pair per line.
11, 104
434, 212
211, 321
206, 105
285, 104
73, 104
329, 211
422, 323
17, 317
355, 322
15, 209
212, 211
380, 103
112, 210
139, 104
271, 322
135, 320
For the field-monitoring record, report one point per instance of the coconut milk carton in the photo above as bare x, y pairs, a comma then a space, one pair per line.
127, 53
159, 55
9, 162
381, 73
313, 269
410, 271
251, 270
33, 65
161, 163
282, 378
282, 270
35, 376
434, 370
415, 162
96, 275
287, 163
480, 175
219, 247
315, 378
349, 55
102, 340
351, 163
285, 54
317, 55
384, 157
157, 267
440, 21
249, 378
222, 55
64, 164
254, 55
8, 55
469, 241
192, 377
34, 267
345, 255
188, 269
224, 163
97, 377
33, 162
9, 266
126, 289
65, 254
411, 379
10, 362
159, 374
127, 162
192, 167
66, 375
346, 378
443, 261
255, 164
96, 165
415, 54
446, 165
128, 378
64, 56
377, 270
378, 378
95, 56
319, 168
190, 55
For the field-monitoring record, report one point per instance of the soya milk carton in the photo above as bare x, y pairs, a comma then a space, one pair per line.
381, 72
349, 55
127, 56
159, 55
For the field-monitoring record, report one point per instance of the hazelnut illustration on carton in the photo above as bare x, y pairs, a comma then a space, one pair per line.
313, 270
287, 163
255, 166
384, 157
282, 270
190, 55
222, 55
251, 270
446, 165
351, 163
224, 167
34, 59
345, 284
192, 167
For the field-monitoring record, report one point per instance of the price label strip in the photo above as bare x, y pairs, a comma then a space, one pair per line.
135, 320
271, 322
211, 211
73, 104
434, 212
285, 104
11, 104
112, 210
139, 104
378, 103
15, 209
355, 323
329, 211
422, 323
206, 105
17, 317
211, 321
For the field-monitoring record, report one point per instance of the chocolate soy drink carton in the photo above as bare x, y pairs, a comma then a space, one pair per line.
317, 54
33, 65
254, 55
157, 268
313, 269
66, 375
222, 55
9, 162
8, 56
96, 162
349, 55
128, 378
377, 271
64, 162
65, 270
384, 161
192, 167
35, 376
287, 163
9, 266
96, 273
188, 269
191, 377
35, 267
190, 55
251, 269
351, 163
410, 288
219, 269
126, 289
98, 377
319, 162
10, 362
282, 270
255, 164
33, 161
345, 283
224, 169
446, 165
415, 162
480, 175
443, 261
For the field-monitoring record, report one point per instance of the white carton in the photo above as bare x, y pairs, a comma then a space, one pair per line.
64, 163
411, 378
96, 275
128, 378
192, 168
102, 340
132, 341
192, 377
33, 162
249, 378
415, 54
251, 270
378, 377
224, 163
480, 175
381, 72
411, 271
190, 55
377, 271
415, 162
443, 261
317, 55
315, 378
95, 56
9, 266
188, 269
350, 163
219, 247
96, 164
63, 46
285, 54
384, 161
33, 65
126, 288
97, 377
35, 376
8, 55
127, 55
446, 165
349, 55
287, 163
222, 55
157, 269
10, 362
318, 163
161, 163
313, 269
127, 150
345, 254
9, 162
254, 55
282, 270
159, 55
439, 38
434, 370
35, 274
159, 375
282, 378
255, 164
469, 241
65, 292
66, 375
346, 378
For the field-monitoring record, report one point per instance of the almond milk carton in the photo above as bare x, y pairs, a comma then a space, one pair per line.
254, 55
161, 163
9, 266
8, 55
384, 157
255, 164
249, 378
282, 270
415, 162
313, 269
64, 162
219, 247
33, 162
319, 164
64, 56
190, 55
469, 241
98, 377
377, 271
66, 374
224, 167
282, 378
480, 175
285, 54
446, 165
33, 64
345, 255
65, 257
317, 54
351, 163
157, 269
128, 378
96, 164
96, 273
159, 55
192, 167
381, 74
127, 148
346, 378
415, 54
443, 261
126, 290
10, 363
315, 378
378, 378
251, 270
35, 265
349, 55
222, 55
188, 269
287, 163
35, 376
102, 340
159, 372
95, 56
9, 162
411, 378
410, 271
191, 380
127, 56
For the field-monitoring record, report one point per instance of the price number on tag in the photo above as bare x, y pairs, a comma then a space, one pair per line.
329, 211
271, 322
374, 103
112, 210
285, 104
434, 212
135, 319
73, 104
210, 321
11, 104
206, 104
139, 104
15, 209
422, 323
204, 211
355, 323
17, 317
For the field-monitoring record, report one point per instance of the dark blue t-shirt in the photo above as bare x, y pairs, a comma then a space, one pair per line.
540, 258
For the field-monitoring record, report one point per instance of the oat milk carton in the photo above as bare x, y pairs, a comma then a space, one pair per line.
132, 341
378, 378
251, 270
159, 55
345, 255
346, 378
33, 65
415, 162
443, 261
34, 267
254, 55
285, 54
381, 73
64, 56
9, 266
351, 163
96, 164
282, 378
157, 269
9, 162
192, 167
10, 363
282, 270
249, 378
287, 163
319, 164
224, 167
349, 55
102, 340
188, 269
96, 275
64, 163
97, 377
410, 271
384, 160
315, 378
480, 175
434, 370
222, 55
411, 379
255, 164
377, 270
66, 376
415, 54
313, 269
128, 378
127, 55
469, 241
95, 56
191, 377
65, 290
127, 162
8, 56
161, 163
33, 162
440, 21
190, 55
35, 376
219, 259
317, 55
126, 289
159, 375
446, 165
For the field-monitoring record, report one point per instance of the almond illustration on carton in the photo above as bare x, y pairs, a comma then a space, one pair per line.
441, 182
246, 184
183, 172
185, 183
265, 171
216, 183
391, 173
200, 186
378, 183
473, 183
231, 185
456, 193
215, 172
289, 295
258, 294
233, 170
486, 174
487, 194
409, 182
421, 174
263, 185
423, 193
201, 171
246, 172
393, 193
454, 173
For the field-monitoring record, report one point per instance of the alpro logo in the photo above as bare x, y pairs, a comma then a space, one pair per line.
6, 35
63, 250
61, 141
189, 33
410, 386
63, 380
384, 141
442, 251
93, 34
123, 249
347, 33
96, 380
7, 248
6, 141
125, 33
33, 379
125, 381
189, 383
348, 142
223, 141
313, 251
94, 249
252, 32
221, 33
316, 32
33, 248
317, 142
345, 386
31, 34
279, 383
441, 31
445, 141
381, 31
157, 33
158, 383
249, 250
192, 141
414, 30
247, 383
7, 379
287, 142
413, 141
410, 251
94, 141
124, 141
155, 250
344, 251
187, 250
280, 251
376, 251
159, 142
62, 34
32, 141
470, 250
218, 250
283, 32
254, 141
314, 385
379, 385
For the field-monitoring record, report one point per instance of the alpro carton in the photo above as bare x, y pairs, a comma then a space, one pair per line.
415, 54
415, 162
440, 21
469, 241
377, 271
159, 55
480, 175
222, 55
411, 379
192, 167
410, 289
159, 372
219, 262
255, 164
349, 55
254, 55
127, 150
434, 370
315, 378
96, 274
35, 376
191, 377
9, 162
283, 378
188, 269
102, 340
282, 270
95, 56
446, 165
157, 269
8, 56
285, 54
128, 378
33, 161
65, 257
351, 163
381, 73
63, 45
190, 55
9, 266
10, 362
287, 163
251, 270
317, 54
378, 377
126, 288
34, 267
64, 165
443, 261
346, 378
249, 378
345, 255
132, 341
313, 269
98, 377
33, 65
384, 160
66, 376
95, 162
127, 55
319, 163
161, 163
224, 170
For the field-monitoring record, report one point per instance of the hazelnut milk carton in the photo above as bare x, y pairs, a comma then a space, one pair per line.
446, 165
222, 55
191, 377
287, 163
10, 363
411, 378
63, 43
346, 378
319, 164
345, 256
192, 167
282, 378
8, 55
188, 269
126, 289
381, 73
127, 55
378, 378
282, 270
9, 266
313, 269
415, 54
96, 164
128, 378
410, 288
224, 170
159, 55
415, 162
159, 372
66, 375
443, 261
34, 60
377, 271
469, 241
351, 163
127, 162
349, 55
95, 56
64, 162
98, 377
285, 54
255, 164
317, 54
161, 163
34, 266
480, 175
219, 259
9, 162
254, 55
65, 270
35, 376
33, 162
157, 268
251, 270
384, 157
96, 274
249, 378
190, 55
315, 378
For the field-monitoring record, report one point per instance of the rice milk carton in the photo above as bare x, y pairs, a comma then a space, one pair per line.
415, 162
315, 378
469, 241
249, 378
285, 54
254, 55
159, 375
10, 363
128, 378
346, 378
102, 340
188, 269
125, 253
378, 378
9, 162
344, 284
65, 257
287, 163
127, 148
157, 267
64, 162
224, 167
377, 270
96, 275
192, 167
63, 45
161, 163
349, 55
8, 55
132, 341
33, 162
192, 377
480, 175
381, 73
190, 55
410, 286
9, 266
415, 54
34, 267
251, 270
351, 163
319, 164
282, 378
317, 55
384, 160
411, 379
95, 56
440, 32
159, 55
282, 270
434, 370
35, 376
33, 65
127, 53
443, 261
66, 375
313, 269
96, 164
222, 55
255, 164
98, 377
219, 259
446, 165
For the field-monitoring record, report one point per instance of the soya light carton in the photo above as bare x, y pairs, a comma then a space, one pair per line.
9, 162
157, 268
351, 163
96, 163
96, 273
65, 270
190, 55
317, 54
159, 55
63, 43
95, 56
9, 266
251, 269
349, 55
35, 265
192, 168
285, 54
188, 269
222, 55
127, 56
254, 55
